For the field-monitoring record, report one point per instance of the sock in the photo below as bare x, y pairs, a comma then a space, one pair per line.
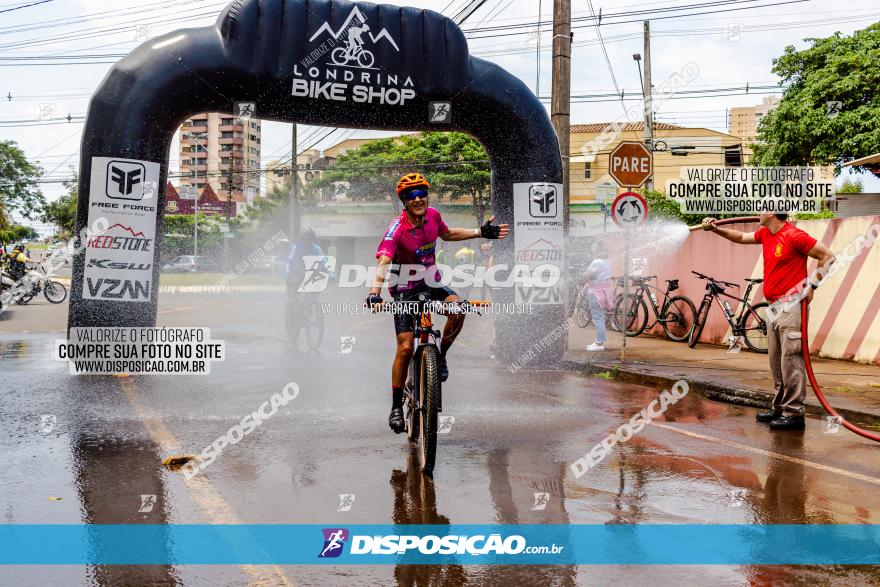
396, 396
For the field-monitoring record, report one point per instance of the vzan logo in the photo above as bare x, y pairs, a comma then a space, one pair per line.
350, 73
125, 180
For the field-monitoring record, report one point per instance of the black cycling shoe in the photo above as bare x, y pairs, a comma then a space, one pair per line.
768, 416
788, 423
395, 419
444, 370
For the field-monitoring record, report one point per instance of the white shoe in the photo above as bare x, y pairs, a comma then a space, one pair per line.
596, 347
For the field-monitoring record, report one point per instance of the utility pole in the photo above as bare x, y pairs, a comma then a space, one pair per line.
538, 55
229, 184
294, 196
647, 97
560, 101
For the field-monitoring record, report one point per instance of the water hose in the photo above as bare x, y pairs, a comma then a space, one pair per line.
805, 349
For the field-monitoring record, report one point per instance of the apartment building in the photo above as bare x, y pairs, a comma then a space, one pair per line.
211, 145
743, 121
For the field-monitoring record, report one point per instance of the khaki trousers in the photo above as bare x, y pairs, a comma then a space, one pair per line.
786, 360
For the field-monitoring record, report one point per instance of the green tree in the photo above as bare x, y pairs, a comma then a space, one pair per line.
837, 68
851, 187
19, 190
62, 212
455, 164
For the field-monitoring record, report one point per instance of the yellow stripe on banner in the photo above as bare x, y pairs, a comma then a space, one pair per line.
200, 489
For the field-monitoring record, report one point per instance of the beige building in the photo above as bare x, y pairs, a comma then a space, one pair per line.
223, 143
743, 121
675, 147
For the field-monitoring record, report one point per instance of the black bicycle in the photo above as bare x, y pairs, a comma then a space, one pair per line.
750, 323
580, 306
303, 318
676, 313
423, 397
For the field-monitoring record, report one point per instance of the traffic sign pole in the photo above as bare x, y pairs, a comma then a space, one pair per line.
625, 302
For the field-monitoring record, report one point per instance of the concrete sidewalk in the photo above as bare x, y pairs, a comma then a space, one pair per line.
740, 378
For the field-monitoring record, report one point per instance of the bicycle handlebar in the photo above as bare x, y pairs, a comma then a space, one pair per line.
713, 280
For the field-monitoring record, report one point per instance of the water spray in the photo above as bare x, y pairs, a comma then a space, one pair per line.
805, 347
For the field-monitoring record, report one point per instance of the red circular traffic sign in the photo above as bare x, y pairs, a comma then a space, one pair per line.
629, 209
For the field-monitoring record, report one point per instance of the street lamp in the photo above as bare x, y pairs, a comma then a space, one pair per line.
195, 136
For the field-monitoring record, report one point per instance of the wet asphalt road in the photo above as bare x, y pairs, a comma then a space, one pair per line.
512, 436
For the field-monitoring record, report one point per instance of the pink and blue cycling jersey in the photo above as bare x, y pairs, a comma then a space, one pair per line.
412, 245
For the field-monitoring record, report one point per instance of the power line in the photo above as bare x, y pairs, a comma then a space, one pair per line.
26, 6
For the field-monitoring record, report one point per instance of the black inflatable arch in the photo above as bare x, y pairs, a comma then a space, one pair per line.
254, 53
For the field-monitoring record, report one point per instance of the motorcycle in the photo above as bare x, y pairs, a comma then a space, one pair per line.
54, 291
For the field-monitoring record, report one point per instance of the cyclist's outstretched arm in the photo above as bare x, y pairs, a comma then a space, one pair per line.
735, 236
486, 231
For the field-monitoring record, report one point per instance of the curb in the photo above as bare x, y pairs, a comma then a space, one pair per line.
714, 391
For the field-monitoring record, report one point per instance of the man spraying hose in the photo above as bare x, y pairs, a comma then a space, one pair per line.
785, 252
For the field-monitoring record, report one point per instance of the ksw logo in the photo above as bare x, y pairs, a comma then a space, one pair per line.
543, 202
118, 289
125, 180
352, 31
108, 264
334, 540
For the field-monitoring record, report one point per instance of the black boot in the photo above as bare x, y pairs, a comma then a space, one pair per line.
769, 415
395, 419
444, 370
788, 423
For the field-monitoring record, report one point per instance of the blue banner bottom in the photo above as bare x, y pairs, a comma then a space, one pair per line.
463, 544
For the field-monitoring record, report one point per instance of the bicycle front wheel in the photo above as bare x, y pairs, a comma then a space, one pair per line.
634, 320
678, 318
699, 324
754, 327
314, 326
55, 292
582, 315
429, 403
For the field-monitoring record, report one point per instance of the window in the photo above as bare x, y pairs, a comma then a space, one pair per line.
253, 137
733, 156
225, 147
227, 121
226, 134
587, 170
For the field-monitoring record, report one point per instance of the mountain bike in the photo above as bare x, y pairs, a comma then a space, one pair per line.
422, 393
751, 322
676, 314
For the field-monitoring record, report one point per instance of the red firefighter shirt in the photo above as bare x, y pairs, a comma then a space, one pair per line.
785, 259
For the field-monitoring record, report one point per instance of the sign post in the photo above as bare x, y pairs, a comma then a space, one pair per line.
628, 210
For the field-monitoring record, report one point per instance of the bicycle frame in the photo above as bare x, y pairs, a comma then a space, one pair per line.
643, 287
715, 292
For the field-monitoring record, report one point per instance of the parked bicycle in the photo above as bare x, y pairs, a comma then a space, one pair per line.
580, 306
676, 314
750, 323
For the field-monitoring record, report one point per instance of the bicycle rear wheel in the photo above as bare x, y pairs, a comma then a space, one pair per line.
699, 324
754, 327
678, 318
429, 402
635, 319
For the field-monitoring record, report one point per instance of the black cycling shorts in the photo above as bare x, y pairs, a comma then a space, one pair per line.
405, 322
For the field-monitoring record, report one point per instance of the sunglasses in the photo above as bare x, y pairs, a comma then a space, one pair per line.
414, 194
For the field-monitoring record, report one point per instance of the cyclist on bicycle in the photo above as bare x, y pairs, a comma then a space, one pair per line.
354, 38
411, 240
297, 275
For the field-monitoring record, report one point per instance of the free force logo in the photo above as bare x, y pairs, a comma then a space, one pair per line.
125, 180
543, 201
334, 540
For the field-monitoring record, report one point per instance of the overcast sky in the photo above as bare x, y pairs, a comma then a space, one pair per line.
732, 49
